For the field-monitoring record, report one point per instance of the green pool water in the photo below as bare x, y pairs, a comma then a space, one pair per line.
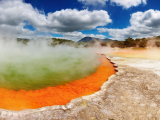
36, 68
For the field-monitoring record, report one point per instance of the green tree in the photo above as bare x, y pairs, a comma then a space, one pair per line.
143, 42
157, 43
129, 42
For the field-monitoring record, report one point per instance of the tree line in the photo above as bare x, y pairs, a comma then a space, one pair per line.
138, 42
129, 42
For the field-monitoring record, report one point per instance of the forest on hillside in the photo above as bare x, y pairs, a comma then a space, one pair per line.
129, 42
138, 42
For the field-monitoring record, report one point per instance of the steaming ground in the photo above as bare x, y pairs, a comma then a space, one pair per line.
144, 53
37, 65
146, 59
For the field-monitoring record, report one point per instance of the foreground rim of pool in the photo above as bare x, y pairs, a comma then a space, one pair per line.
59, 95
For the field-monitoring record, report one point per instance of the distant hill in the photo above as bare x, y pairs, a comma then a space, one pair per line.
87, 39
107, 39
21, 39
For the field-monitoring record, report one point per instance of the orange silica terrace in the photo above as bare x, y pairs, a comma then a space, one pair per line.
150, 53
59, 95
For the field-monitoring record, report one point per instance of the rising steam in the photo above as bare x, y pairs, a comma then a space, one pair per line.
38, 65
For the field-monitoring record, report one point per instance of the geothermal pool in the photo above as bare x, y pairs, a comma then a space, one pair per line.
37, 75
32, 67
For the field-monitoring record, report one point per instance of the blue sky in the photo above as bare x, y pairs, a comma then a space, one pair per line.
75, 19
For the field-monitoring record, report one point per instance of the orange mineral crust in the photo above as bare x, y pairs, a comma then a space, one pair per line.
152, 53
59, 95
133, 54
130, 53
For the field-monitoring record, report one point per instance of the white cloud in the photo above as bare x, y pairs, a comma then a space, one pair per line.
73, 20
12, 16
13, 13
124, 3
128, 3
93, 2
14, 30
142, 24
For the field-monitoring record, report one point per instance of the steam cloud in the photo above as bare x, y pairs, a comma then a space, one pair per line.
38, 65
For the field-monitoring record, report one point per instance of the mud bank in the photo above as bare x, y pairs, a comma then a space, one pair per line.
131, 94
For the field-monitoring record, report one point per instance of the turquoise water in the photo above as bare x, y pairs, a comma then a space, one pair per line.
35, 67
